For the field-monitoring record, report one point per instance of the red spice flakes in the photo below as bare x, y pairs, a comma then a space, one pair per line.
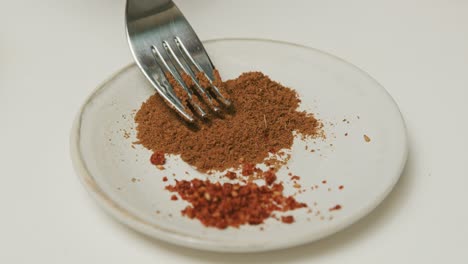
269, 176
248, 169
174, 197
295, 177
158, 158
334, 208
231, 175
222, 205
324, 182
164, 179
341, 187
287, 219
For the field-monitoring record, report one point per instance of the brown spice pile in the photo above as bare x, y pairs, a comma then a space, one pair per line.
262, 120
222, 205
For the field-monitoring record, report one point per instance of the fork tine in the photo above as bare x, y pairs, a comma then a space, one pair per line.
190, 73
184, 50
179, 80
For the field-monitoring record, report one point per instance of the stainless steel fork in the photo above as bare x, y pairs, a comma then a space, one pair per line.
162, 41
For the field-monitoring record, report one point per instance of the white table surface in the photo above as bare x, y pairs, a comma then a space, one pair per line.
54, 53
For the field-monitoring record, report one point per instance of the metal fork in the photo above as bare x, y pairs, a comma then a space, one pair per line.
163, 42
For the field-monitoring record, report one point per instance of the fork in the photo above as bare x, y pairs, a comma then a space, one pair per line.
163, 42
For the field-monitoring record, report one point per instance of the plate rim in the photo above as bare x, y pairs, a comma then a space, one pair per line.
175, 237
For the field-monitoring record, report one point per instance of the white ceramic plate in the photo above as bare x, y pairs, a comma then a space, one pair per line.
348, 101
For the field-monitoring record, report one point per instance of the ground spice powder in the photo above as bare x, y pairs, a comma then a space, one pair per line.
262, 119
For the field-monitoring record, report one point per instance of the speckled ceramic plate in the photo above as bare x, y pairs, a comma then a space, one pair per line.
350, 103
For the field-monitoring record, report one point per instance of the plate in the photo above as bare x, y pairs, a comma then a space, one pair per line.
364, 152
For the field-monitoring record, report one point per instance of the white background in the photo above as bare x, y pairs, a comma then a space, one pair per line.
54, 53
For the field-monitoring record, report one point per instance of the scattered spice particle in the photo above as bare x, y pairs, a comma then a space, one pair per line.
134, 179
297, 186
164, 179
341, 187
335, 208
174, 197
158, 158
287, 219
329, 189
231, 175
324, 182
261, 228
270, 177
295, 177
158, 212
367, 138
248, 169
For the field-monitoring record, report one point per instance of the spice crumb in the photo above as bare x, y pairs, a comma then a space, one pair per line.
295, 177
324, 182
248, 169
297, 186
270, 177
341, 187
174, 197
158, 158
287, 219
367, 138
158, 212
134, 179
164, 179
231, 175
334, 208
